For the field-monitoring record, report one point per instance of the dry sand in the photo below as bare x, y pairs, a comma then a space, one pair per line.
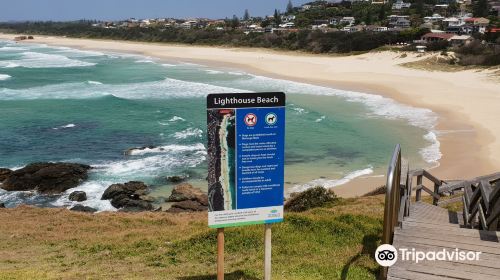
467, 102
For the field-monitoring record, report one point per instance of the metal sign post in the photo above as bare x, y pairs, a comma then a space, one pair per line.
267, 252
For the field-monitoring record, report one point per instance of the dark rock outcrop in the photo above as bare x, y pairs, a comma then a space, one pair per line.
176, 178
185, 192
130, 196
81, 208
2, 205
131, 150
187, 206
78, 196
187, 199
4, 173
46, 177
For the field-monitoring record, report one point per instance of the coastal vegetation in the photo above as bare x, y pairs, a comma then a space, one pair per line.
307, 40
336, 241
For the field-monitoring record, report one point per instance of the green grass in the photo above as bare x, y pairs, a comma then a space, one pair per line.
334, 242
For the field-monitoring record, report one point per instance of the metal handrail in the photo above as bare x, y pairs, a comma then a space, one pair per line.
392, 196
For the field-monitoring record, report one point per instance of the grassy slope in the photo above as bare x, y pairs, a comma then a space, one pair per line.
325, 243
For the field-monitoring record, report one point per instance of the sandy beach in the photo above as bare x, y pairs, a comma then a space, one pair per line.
467, 102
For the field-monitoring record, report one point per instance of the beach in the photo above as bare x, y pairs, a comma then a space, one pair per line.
467, 102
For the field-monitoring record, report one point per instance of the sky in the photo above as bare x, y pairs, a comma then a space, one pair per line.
63, 10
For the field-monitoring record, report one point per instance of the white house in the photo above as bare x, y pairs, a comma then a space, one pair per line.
347, 21
398, 5
435, 18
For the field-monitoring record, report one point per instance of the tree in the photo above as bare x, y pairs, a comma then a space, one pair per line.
480, 8
277, 18
289, 7
235, 22
246, 16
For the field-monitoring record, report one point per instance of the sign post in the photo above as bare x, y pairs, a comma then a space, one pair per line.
246, 143
220, 254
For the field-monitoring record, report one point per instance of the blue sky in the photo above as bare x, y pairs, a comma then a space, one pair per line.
121, 9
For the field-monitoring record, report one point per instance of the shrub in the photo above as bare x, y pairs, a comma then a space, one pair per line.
311, 198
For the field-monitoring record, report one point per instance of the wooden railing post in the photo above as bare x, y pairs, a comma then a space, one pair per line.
418, 193
436, 191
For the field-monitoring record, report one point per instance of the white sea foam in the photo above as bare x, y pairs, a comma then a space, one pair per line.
144, 61
168, 149
176, 118
327, 183
189, 132
43, 60
168, 65
14, 49
71, 125
94, 83
94, 191
4, 77
214, 72
164, 89
320, 119
431, 153
154, 165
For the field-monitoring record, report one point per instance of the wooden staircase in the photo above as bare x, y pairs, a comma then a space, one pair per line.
432, 228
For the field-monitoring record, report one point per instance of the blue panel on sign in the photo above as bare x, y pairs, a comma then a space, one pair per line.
260, 141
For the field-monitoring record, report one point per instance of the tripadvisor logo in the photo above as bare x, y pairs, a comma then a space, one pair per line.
387, 255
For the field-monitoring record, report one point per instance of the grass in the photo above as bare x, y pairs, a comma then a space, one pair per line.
334, 242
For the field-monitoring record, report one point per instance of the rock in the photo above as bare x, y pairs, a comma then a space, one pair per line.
130, 196
129, 152
187, 206
4, 173
185, 192
176, 178
2, 205
132, 188
46, 177
81, 208
78, 196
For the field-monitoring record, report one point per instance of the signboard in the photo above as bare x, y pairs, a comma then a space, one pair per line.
246, 142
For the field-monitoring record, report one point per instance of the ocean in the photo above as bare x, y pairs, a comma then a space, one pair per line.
63, 104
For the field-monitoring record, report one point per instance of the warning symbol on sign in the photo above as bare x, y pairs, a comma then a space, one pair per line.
250, 119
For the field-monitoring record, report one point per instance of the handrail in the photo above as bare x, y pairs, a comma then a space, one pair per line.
397, 199
482, 204
392, 203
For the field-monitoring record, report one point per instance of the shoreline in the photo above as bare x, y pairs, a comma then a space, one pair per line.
463, 139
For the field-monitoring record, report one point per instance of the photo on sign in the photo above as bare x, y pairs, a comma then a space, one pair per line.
221, 148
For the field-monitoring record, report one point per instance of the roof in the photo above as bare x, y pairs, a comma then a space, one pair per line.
461, 37
444, 36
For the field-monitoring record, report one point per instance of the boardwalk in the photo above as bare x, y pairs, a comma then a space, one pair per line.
430, 228
433, 228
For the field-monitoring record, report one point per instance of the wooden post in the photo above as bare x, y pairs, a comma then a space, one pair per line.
419, 191
220, 254
267, 252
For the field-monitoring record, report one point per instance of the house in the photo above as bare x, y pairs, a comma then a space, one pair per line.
399, 22
399, 5
478, 24
355, 28
287, 25
376, 28
435, 18
305, 7
460, 40
436, 37
379, 1
287, 18
347, 21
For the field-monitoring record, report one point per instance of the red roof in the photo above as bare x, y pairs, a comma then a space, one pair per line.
494, 30
443, 36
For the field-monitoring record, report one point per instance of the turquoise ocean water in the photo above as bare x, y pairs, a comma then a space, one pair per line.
62, 104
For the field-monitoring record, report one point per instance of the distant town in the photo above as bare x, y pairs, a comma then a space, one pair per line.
454, 21
465, 32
